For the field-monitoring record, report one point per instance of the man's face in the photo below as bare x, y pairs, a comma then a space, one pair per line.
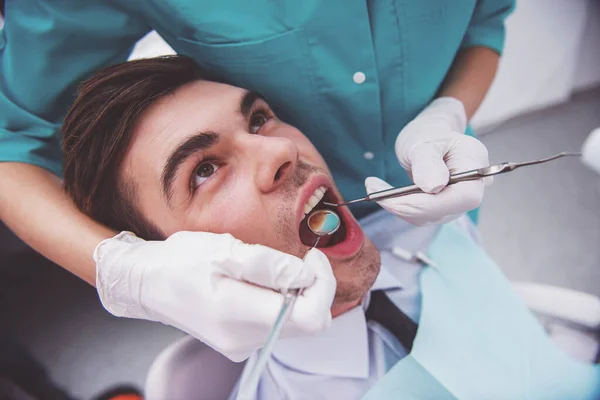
214, 158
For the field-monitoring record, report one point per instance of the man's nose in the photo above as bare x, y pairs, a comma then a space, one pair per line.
277, 159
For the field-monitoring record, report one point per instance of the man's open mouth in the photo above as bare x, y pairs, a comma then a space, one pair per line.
316, 202
343, 243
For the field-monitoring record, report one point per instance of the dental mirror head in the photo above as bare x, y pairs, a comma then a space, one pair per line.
323, 222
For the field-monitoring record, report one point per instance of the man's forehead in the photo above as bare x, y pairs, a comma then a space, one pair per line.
196, 106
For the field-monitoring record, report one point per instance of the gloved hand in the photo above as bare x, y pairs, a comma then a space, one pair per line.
430, 148
590, 151
206, 285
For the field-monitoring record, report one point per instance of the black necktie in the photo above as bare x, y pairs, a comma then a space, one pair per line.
383, 311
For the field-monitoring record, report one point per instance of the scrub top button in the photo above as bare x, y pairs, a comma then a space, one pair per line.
359, 78
368, 155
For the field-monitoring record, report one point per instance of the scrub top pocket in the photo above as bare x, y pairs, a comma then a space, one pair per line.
280, 65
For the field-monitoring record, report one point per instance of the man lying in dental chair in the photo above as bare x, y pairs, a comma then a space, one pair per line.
416, 313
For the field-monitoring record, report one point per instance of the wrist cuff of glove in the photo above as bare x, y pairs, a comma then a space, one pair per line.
118, 279
450, 108
124, 237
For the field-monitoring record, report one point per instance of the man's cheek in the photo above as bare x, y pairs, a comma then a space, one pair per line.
245, 223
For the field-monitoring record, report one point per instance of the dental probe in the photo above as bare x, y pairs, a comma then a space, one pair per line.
471, 175
321, 223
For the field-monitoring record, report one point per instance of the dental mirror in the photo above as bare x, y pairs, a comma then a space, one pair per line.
323, 223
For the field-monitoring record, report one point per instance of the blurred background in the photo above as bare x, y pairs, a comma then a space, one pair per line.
540, 224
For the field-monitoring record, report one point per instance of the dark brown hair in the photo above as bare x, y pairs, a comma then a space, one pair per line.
97, 132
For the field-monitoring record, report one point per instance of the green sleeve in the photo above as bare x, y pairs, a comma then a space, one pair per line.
46, 48
487, 24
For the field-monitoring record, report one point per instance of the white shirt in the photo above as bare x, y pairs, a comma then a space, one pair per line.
345, 361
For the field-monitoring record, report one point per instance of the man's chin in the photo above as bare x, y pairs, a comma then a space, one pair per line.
355, 277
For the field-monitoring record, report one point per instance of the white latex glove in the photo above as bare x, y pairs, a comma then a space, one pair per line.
206, 285
430, 148
590, 151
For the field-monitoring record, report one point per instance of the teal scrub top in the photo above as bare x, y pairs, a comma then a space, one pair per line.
349, 74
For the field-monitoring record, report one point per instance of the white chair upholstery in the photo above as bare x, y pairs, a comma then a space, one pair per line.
190, 370
571, 318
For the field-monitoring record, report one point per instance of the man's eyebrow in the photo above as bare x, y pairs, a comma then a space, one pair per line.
247, 101
199, 141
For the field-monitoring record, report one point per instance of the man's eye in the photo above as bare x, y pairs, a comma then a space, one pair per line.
257, 120
204, 171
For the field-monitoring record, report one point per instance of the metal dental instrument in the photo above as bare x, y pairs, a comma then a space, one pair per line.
321, 223
474, 174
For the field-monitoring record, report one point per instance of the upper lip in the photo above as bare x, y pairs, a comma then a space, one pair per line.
309, 188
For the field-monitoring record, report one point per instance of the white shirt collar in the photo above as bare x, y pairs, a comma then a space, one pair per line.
386, 281
342, 350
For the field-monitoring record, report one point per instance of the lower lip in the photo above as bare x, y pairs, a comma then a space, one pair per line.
353, 241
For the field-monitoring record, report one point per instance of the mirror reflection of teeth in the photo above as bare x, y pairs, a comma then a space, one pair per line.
323, 222
314, 199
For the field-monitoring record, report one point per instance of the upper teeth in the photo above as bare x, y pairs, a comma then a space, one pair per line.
314, 199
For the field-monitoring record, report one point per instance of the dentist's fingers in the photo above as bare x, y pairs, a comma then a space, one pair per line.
312, 309
466, 153
242, 307
265, 266
429, 171
421, 209
255, 309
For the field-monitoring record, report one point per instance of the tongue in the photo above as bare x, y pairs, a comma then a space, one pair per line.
308, 238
